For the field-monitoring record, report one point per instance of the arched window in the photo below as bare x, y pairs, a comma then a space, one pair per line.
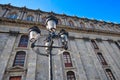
13, 16
100, 25
92, 25
70, 75
110, 74
15, 78
19, 58
43, 20
67, 59
23, 41
59, 22
29, 18
101, 59
94, 44
82, 25
71, 23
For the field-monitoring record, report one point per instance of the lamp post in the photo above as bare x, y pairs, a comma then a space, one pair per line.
34, 35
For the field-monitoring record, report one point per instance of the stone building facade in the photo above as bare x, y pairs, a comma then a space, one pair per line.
93, 48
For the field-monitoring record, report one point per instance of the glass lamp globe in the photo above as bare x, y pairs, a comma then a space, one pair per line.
34, 33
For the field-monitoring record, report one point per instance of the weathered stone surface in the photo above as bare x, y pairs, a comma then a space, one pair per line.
86, 65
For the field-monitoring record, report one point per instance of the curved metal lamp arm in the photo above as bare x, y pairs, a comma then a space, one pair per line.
38, 52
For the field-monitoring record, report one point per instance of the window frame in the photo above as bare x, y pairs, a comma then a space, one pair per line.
18, 61
43, 19
23, 44
101, 58
82, 25
30, 18
117, 44
59, 22
71, 23
67, 59
109, 74
13, 16
15, 77
92, 25
71, 75
94, 44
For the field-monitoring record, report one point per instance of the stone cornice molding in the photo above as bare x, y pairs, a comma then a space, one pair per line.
27, 24
16, 69
7, 6
62, 15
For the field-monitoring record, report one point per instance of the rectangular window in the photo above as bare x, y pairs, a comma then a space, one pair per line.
101, 59
67, 59
23, 41
117, 44
94, 44
19, 59
110, 75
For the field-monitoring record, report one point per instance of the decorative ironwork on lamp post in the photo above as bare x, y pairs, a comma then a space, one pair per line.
34, 35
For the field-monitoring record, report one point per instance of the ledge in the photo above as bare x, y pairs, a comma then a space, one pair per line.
28, 24
16, 69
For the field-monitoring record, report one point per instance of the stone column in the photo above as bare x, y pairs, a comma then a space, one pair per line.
6, 54
31, 67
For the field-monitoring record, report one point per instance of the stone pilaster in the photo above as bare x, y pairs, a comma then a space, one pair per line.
6, 54
98, 70
111, 64
113, 53
116, 49
80, 73
6, 13
114, 58
31, 67
85, 58
36, 17
24, 15
19, 15
39, 19
2, 11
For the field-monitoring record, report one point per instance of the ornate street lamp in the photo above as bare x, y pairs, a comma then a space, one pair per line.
64, 38
34, 34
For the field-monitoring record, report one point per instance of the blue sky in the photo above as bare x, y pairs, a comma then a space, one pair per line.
107, 10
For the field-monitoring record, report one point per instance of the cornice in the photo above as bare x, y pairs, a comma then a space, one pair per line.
28, 24
16, 69
62, 15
